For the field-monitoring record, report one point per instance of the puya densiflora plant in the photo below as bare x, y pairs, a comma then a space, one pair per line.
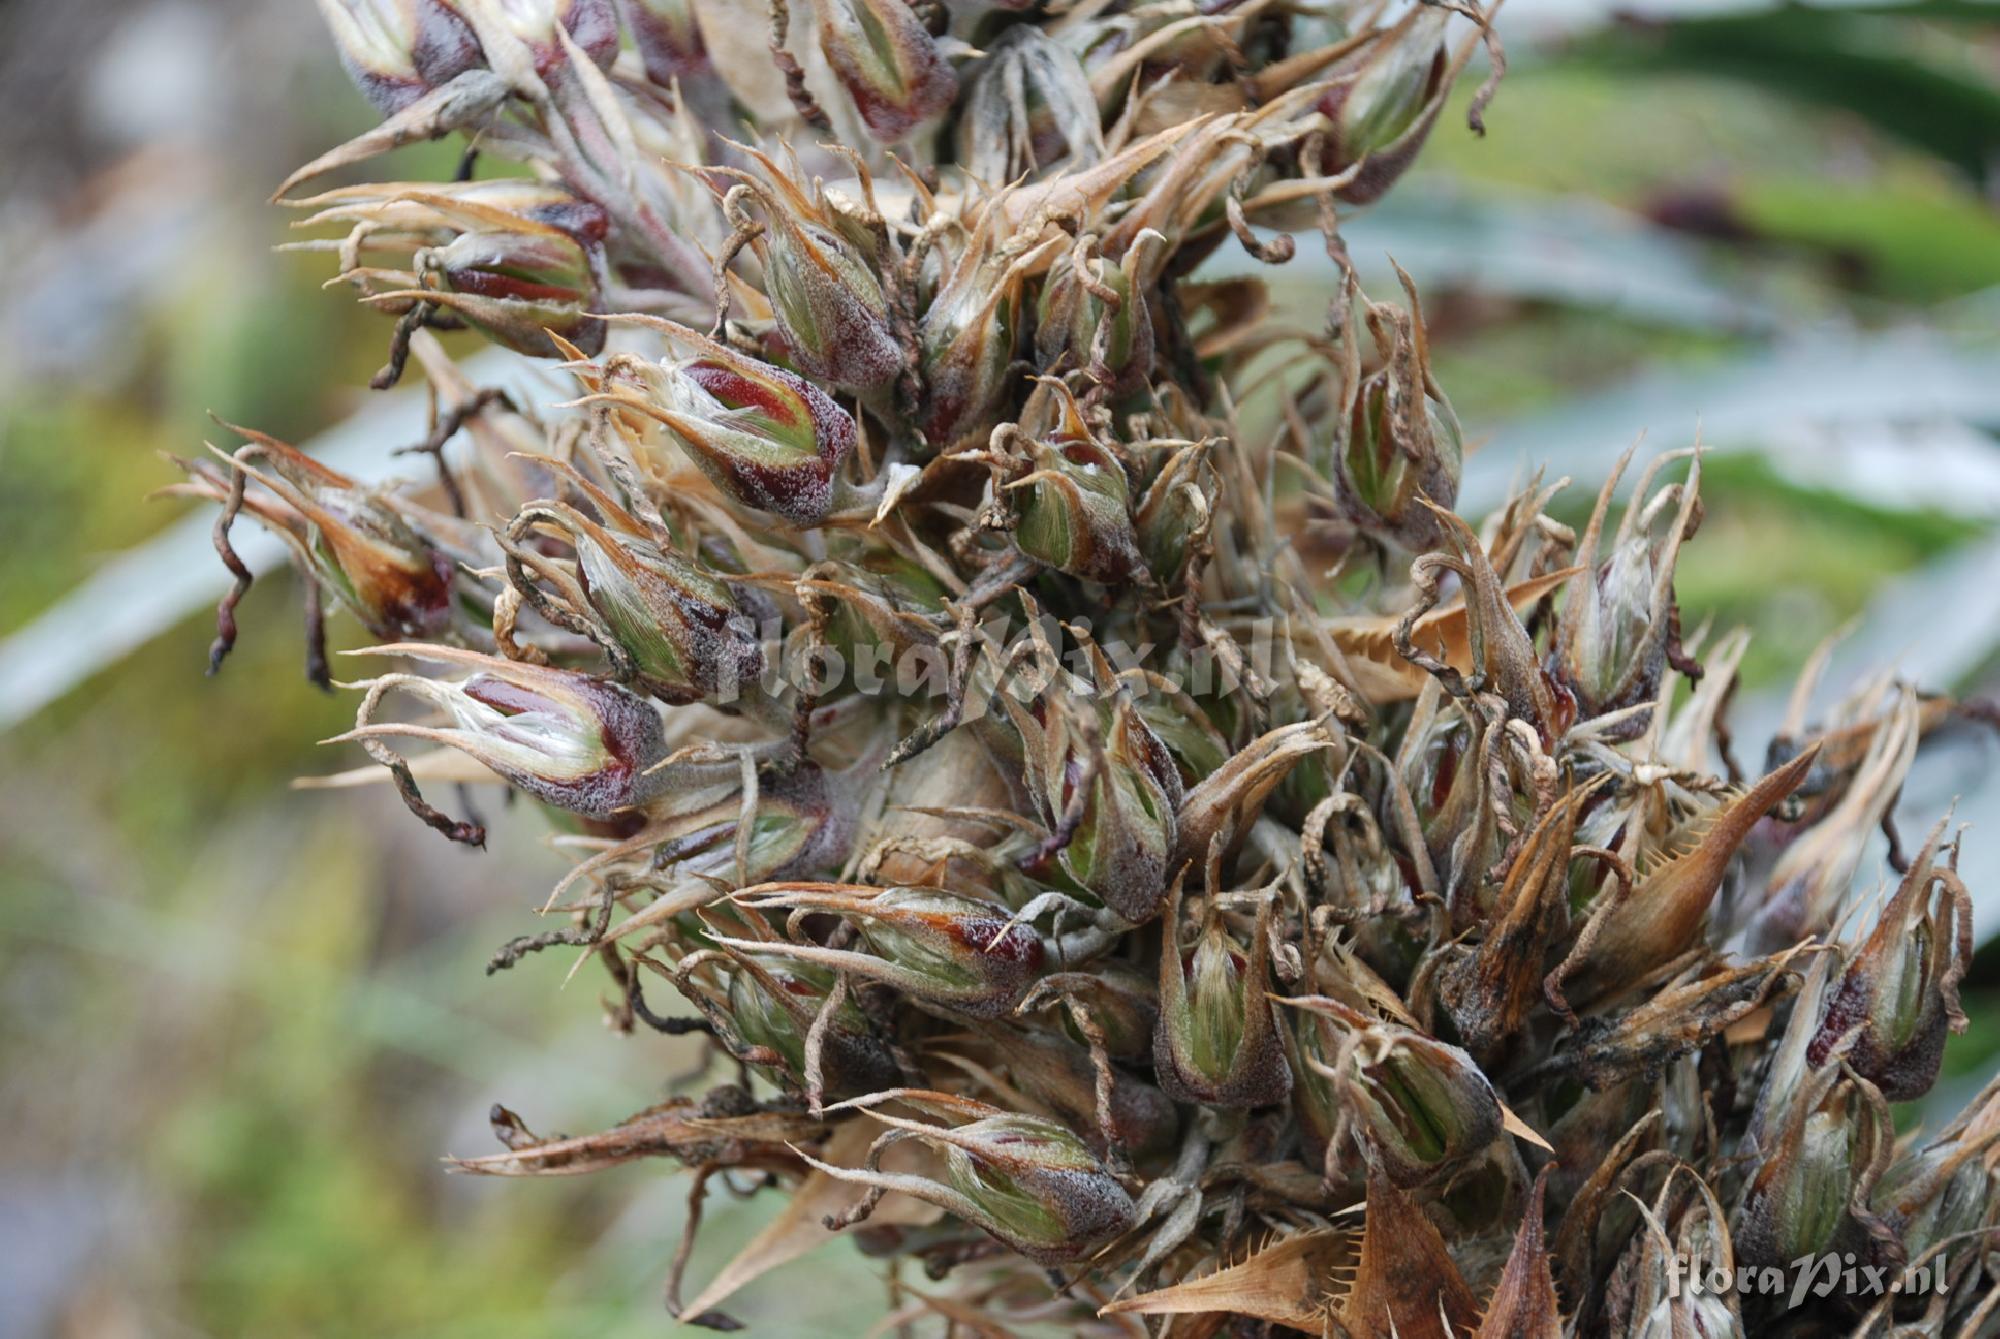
1145, 860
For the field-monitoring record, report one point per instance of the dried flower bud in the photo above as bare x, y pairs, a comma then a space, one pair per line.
1815, 1171
1230, 798
888, 63
1612, 639
1386, 98
1426, 1107
1106, 789
1074, 505
569, 739
768, 438
1689, 1010
827, 300
665, 621
398, 50
771, 1006
1524, 1304
1899, 995
1318, 1105
1684, 1237
934, 946
358, 541
1490, 990
519, 259
1931, 1195
966, 341
1101, 319
520, 286
1399, 441
1808, 883
1121, 1000
804, 821
1663, 915
1443, 764
1217, 1042
1028, 1181
1029, 107
1107, 1107
1175, 514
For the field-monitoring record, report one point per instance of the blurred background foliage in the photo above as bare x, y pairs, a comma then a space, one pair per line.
239, 1024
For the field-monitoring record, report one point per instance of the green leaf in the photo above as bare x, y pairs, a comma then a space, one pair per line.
1869, 64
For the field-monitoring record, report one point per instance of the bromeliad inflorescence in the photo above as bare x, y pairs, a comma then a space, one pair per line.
928, 615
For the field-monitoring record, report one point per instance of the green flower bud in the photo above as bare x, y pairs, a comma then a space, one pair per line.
1176, 511
567, 738
1401, 442
1426, 1107
772, 1004
1140, 1120
1073, 512
1899, 995
1932, 1195
766, 437
966, 340
1611, 642
1800, 1196
1074, 505
1935, 1195
1802, 1193
1106, 788
519, 259
804, 821
880, 609
1384, 101
888, 63
398, 50
827, 300
1103, 321
1121, 848
358, 541
934, 946
1028, 1181
520, 287
1217, 1042
666, 622
1177, 721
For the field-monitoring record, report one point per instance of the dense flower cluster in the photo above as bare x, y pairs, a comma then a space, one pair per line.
1143, 853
